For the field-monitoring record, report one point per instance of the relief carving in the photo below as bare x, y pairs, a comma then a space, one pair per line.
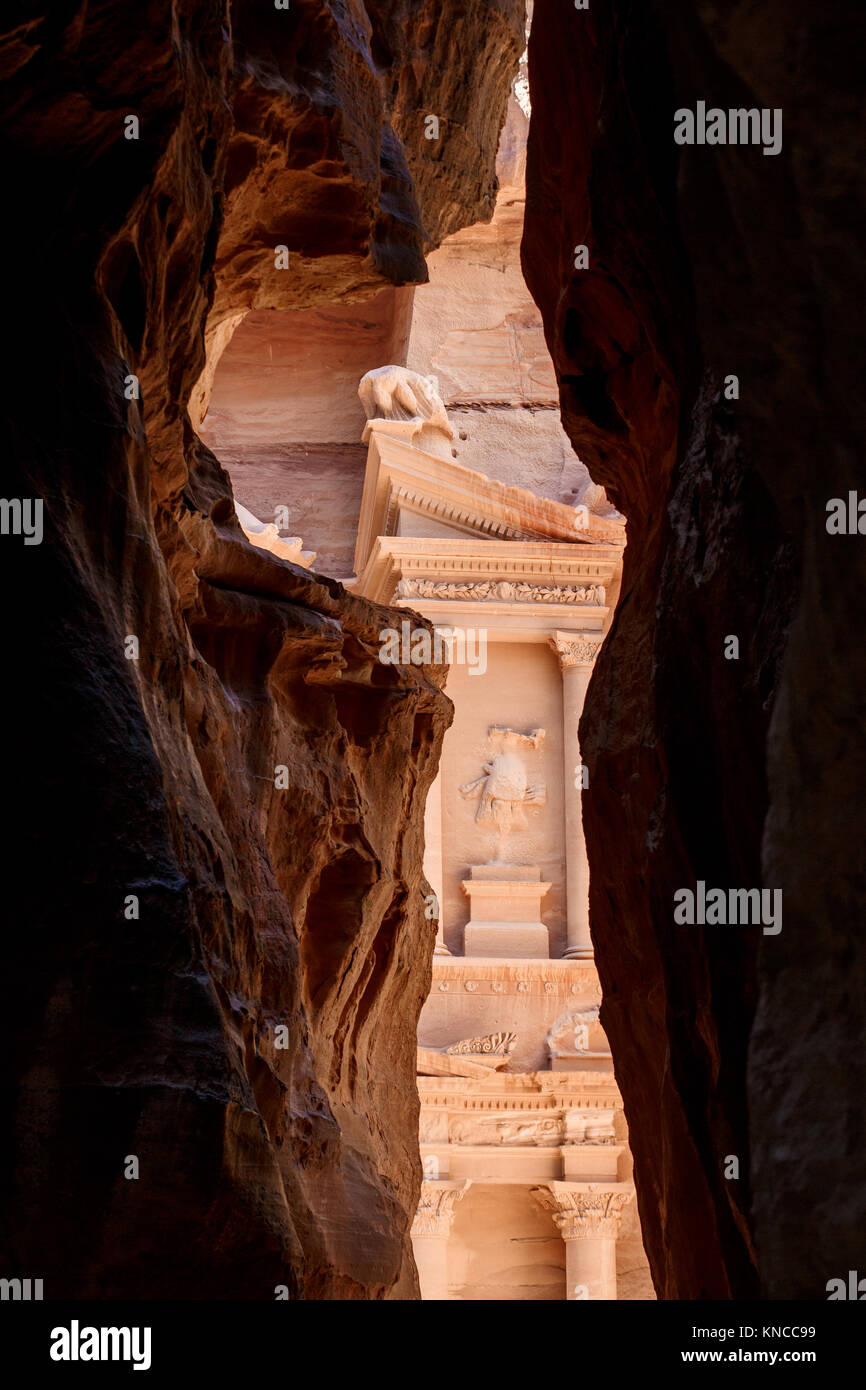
507, 1129
498, 1043
433, 1128
589, 1127
504, 788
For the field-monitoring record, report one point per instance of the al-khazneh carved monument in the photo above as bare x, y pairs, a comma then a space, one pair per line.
526, 1190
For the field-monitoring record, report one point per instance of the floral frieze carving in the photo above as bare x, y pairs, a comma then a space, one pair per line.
499, 1043
502, 591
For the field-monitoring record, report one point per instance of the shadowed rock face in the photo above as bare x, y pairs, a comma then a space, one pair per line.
156, 1035
704, 262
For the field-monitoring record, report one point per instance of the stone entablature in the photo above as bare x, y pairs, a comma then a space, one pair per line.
526, 1090
520, 1128
566, 584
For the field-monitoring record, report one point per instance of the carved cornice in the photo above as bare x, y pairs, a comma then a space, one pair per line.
588, 1212
575, 651
468, 1100
452, 513
436, 1207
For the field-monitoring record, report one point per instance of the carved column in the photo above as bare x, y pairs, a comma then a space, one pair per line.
576, 657
431, 1230
588, 1216
433, 857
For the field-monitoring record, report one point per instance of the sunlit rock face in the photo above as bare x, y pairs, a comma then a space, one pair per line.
362, 136
225, 814
705, 262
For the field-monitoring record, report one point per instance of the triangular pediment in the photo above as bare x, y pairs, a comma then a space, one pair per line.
411, 493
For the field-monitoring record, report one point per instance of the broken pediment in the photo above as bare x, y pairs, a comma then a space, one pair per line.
411, 492
473, 1057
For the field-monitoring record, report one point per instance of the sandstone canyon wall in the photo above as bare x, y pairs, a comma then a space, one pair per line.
706, 261
153, 1031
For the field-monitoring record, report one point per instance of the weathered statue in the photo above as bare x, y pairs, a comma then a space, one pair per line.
504, 789
406, 404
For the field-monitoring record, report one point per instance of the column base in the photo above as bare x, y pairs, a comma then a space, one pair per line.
578, 953
440, 949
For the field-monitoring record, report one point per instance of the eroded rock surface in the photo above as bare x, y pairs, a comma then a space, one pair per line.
330, 155
706, 261
159, 779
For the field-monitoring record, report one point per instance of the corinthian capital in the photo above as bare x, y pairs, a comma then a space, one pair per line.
436, 1207
574, 649
585, 1211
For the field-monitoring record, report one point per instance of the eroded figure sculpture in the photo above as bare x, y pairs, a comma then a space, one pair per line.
504, 789
406, 404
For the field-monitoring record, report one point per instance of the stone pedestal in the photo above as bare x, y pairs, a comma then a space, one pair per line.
506, 912
431, 1229
588, 1216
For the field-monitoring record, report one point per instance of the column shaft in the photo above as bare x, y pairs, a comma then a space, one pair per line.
590, 1267
575, 680
433, 857
431, 1257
